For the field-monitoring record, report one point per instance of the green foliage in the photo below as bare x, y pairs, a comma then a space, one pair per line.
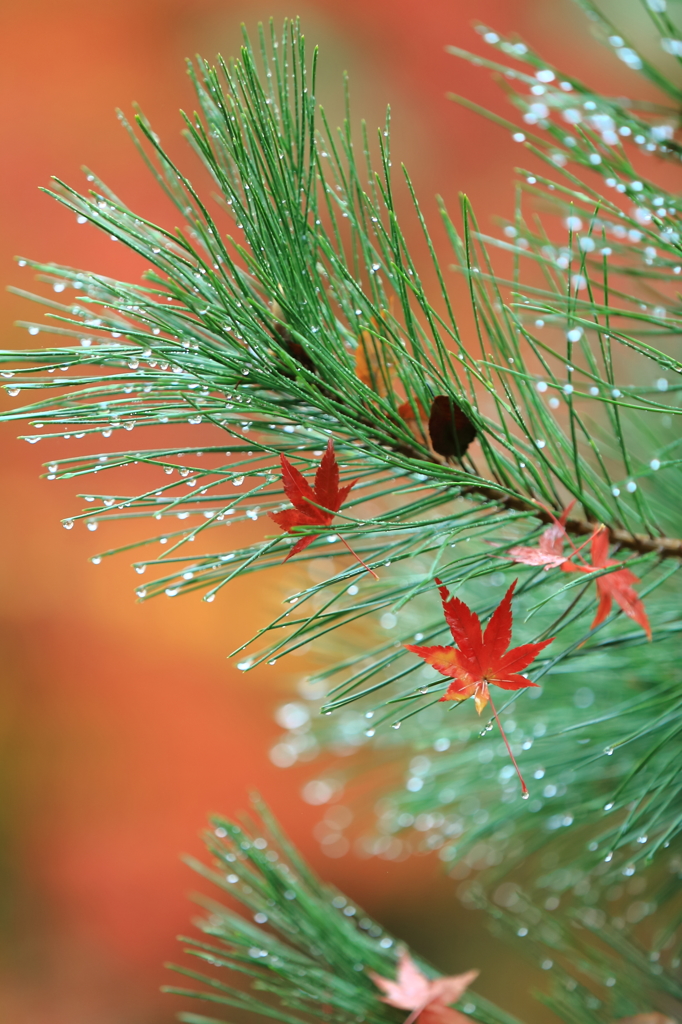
311, 320
305, 949
309, 948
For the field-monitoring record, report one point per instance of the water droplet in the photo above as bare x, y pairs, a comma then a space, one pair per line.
370, 732
68, 524
608, 858
608, 751
13, 392
396, 725
96, 559
172, 591
141, 592
525, 796
34, 330
92, 524
244, 665
209, 598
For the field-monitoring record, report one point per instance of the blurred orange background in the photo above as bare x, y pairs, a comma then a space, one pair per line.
122, 726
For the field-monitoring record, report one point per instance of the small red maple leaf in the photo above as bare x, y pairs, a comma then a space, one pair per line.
312, 506
615, 586
549, 551
480, 659
427, 999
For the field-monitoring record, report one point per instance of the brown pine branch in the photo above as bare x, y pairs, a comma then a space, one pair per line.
642, 543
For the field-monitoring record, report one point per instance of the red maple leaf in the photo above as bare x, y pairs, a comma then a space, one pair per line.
615, 586
312, 506
481, 659
549, 551
427, 999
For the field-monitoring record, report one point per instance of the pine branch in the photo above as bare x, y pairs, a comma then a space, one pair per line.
309, 950
288, 336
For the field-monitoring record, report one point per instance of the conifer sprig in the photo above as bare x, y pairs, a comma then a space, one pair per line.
312, 321
307, 949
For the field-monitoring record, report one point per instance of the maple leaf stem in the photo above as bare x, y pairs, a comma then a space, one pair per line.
524, 787
417, 1010
577, 550
357, 556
